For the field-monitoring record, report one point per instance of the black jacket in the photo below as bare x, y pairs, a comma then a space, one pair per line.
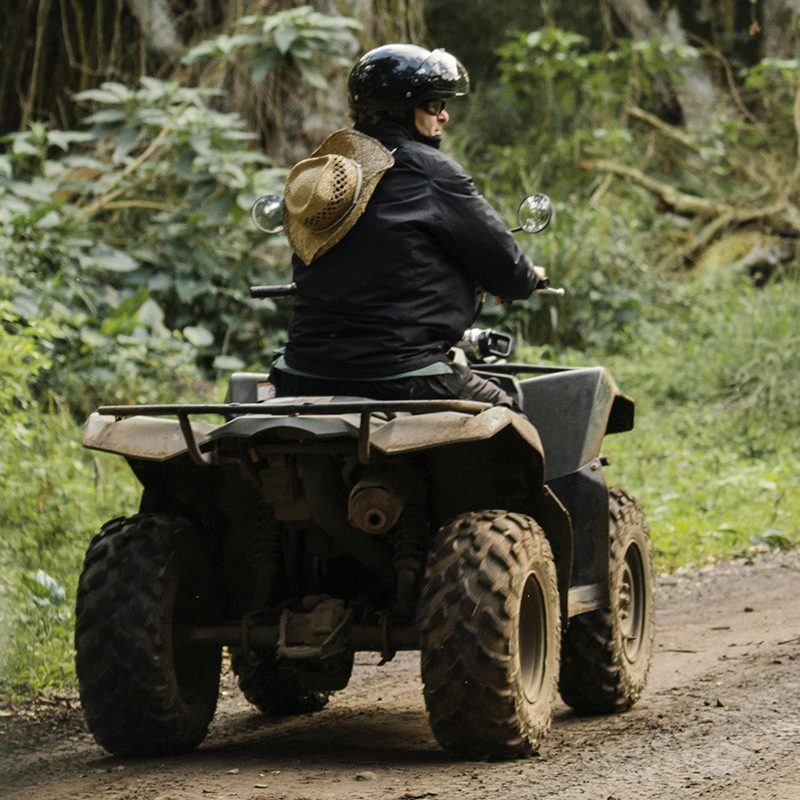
398, 291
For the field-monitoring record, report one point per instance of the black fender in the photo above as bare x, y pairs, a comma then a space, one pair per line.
572, 411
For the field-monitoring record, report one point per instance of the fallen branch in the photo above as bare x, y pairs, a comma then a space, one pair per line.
138, 204
664, 127
108, 195
735, 216
682, 203
721, 215
688, 141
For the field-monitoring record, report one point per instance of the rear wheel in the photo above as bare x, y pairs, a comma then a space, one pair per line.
489, 633
606, 654
142, 690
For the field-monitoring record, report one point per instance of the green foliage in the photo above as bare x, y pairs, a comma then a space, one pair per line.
53, 498
715, 369
566, 110
21, 360
571, 102
295, 36
38, 618
475, 37
147, 235
600, 256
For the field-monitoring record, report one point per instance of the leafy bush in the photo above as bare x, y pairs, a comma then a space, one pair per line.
295, 35
715, 371
36, 620
139, 252
21, 360
54, 496
578, 124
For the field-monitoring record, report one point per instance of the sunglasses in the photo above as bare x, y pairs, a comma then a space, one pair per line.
433, 107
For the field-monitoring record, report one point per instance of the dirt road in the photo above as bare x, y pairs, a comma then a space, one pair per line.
720, 719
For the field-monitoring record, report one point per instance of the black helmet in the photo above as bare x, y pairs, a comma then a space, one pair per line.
398, 77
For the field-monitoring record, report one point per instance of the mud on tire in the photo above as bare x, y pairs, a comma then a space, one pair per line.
490, 633
142, 692
272, 690
606, 654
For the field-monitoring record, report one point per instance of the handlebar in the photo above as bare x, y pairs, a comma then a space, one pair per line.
280, 290
290, 290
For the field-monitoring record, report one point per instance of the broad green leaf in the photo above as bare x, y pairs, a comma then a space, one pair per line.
44, 590
128, 137
310, 73
284, 37
49, 220
122, 92
36, 189
63, 139
245, 39
97, 95
151, 314
106, 115
107, 257
199, 336
156, 88
200, 52
226, 363
264, 62
124, 318
24, 147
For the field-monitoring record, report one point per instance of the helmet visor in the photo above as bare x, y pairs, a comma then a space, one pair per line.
442, 73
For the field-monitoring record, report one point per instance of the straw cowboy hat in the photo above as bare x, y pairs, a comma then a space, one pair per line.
327, 192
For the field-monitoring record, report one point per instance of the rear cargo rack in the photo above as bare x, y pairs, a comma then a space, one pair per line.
365, 408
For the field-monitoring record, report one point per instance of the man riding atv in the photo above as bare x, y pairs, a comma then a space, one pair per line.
398, 514
391, 242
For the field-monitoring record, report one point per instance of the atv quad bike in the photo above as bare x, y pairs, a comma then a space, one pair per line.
298, 531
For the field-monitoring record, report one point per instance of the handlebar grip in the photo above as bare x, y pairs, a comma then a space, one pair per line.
280, 290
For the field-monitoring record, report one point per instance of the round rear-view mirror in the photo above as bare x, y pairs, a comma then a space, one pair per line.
535, 213
267, 213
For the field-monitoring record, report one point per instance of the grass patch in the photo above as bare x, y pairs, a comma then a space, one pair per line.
714, 367
707, 496
53, 498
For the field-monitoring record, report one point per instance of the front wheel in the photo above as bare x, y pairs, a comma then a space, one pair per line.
144, 691
606, 654
490, 632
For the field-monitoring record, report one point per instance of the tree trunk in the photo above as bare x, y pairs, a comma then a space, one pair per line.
779, 23
698, 97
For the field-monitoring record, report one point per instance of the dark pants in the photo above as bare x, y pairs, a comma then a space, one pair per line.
461, 384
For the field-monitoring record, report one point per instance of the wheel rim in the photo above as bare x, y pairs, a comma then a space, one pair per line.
532, 638
632, 601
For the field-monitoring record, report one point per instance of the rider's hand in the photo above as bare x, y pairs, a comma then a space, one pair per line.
542, 281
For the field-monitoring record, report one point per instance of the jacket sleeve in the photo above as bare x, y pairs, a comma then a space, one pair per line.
473, 233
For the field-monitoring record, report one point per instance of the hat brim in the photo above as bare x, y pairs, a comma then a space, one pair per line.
374, 159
